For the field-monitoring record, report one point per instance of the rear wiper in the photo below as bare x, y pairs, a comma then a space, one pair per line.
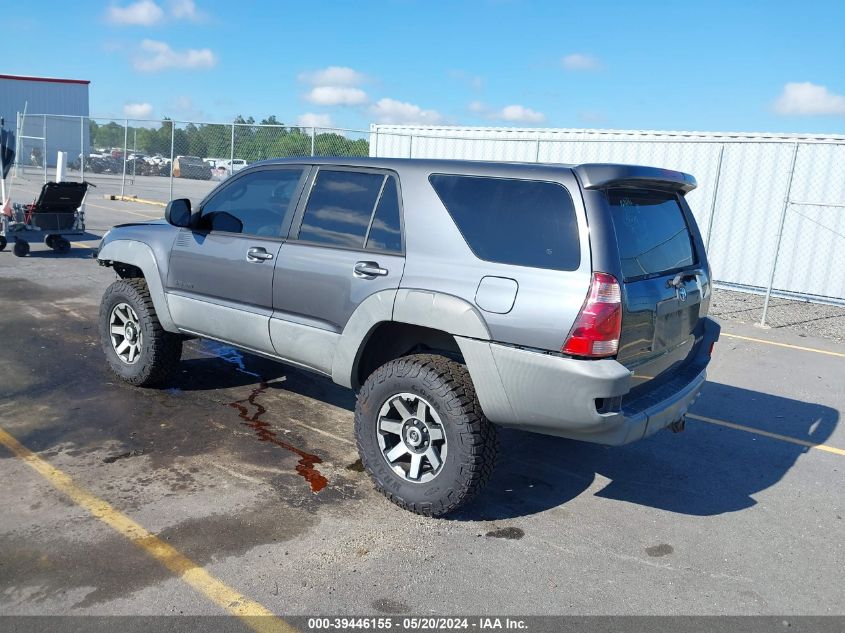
678, 280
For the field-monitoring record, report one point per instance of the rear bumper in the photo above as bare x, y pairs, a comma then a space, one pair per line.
557, 396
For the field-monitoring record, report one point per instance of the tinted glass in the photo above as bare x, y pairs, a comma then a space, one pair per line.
386, 231
651, 232
339, 207
522, 222
254, 204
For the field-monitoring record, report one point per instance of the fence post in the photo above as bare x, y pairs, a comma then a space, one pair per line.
44, 148
713, 200
780, 233
411, 146
172, 140
313, 138
537, 151
82, 155
125, 149
231, 151
18, 132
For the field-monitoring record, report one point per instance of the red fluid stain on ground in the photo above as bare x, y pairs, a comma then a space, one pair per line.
262, 429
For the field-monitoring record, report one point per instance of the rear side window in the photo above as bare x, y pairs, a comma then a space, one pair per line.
353, 209
386, 231
651, 232
521, 222
339, 208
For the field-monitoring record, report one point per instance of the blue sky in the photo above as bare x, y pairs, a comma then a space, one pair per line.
717, 66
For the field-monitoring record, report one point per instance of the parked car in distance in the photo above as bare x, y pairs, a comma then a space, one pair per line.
453, 296
235, 165
191, 167
219, 171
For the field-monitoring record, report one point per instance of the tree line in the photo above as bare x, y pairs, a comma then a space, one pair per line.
252, 142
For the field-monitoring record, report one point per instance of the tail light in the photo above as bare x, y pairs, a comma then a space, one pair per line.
597, 329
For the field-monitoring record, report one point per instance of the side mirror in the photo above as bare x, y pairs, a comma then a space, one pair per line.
178, 212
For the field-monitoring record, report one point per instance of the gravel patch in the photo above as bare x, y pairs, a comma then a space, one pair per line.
803, 317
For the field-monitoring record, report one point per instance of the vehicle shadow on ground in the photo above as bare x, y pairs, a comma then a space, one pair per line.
220, 366
706, 470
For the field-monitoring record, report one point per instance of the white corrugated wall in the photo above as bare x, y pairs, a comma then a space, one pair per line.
55, 97
752, 187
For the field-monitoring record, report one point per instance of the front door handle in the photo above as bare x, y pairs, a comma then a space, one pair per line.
369, 270
258, 254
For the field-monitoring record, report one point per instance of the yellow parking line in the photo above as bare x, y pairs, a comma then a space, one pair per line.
143, 215
787, 345
253, 614
156, 203
81, 245
774, 436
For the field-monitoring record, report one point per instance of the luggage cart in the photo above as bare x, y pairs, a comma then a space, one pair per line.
57, 213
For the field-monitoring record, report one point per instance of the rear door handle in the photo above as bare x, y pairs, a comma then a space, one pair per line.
369, 270
258, 254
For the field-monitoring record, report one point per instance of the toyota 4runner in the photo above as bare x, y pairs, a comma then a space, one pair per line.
453, 296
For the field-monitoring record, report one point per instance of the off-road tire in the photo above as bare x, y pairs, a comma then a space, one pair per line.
471, 439
160, 350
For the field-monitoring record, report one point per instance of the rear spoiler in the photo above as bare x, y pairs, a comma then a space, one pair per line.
604, 175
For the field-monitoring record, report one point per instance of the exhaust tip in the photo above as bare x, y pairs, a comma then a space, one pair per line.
678, 425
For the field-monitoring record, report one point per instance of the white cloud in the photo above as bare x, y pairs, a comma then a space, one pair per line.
400, 112
334, 76
143, 13
336, 95
185, 9
137, 110
514, 113
520, 114
580, 61
311, 119
809, 99
157, 56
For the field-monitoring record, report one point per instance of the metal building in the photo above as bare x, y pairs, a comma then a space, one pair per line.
771, 207
39, 95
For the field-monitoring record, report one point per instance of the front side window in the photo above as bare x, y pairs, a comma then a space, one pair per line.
508, 221
353, 209
258, 204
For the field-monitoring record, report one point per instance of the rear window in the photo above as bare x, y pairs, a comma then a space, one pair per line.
651, 232
522, 222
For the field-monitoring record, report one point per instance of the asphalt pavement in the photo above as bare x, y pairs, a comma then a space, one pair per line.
110, 489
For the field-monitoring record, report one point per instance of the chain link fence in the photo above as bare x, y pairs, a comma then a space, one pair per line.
771, 209
161, 160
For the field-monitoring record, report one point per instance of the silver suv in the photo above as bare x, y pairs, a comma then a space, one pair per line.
454, 296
